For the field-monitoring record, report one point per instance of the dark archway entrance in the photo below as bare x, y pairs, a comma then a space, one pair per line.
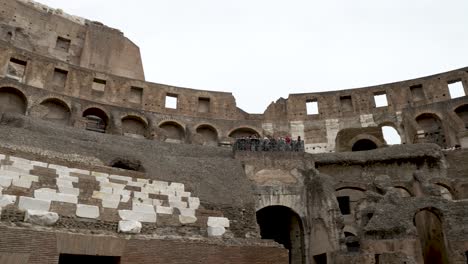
283, 225
431, 237
363, 145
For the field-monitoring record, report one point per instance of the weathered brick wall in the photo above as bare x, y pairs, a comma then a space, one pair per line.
23, 246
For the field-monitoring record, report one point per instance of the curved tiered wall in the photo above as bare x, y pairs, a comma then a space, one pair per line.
90, 168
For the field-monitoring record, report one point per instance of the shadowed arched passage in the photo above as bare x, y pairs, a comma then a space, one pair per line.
283, 225
431, 237
56, 111
133, 127
462, 113
431, 127
363, 145
174, 132
208, 134
96, 120
12, 101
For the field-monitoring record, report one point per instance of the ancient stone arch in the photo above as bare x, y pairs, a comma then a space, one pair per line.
283, 225
429, 224
55, 110
462, 113
208, 134
430, 125
134, 126
174, 131
243, 132
96, 119
12, 100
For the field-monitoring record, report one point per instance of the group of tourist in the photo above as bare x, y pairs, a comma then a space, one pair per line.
254, 143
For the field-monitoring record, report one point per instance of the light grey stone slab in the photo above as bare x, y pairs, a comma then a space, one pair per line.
42, 218
87, 211
184, 219
218, 221
137, 216
216, 231
130, 226
28, 203
6, 200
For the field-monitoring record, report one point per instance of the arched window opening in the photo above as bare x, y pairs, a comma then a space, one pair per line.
56, 111
444, 192
285, 227
243, 132
208, 134
430, 130
391, 135
126, 164
133, 127
402, 192
173, 132
363, 145
96, 120
12, 101
431, 236
462, 113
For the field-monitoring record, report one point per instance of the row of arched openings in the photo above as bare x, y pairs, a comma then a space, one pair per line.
55, 110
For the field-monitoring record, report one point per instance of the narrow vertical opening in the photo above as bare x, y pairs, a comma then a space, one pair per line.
344, 204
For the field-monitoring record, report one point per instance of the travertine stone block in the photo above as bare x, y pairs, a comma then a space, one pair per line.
121, 178
113, 204
5, 182
178, 204
186, 211
85, 172
28, 203
22, 183
6, 200
177, 186
87, 211
164, 210
218, 222
157, 202
68, 190
136, 184
193, 202
99, 174
140, 195
143, 200
130, 227
42, 218
183, 194
69, 178
184, 219
137, 216
64, 183
105, 196
28, 177
216, 231
125, 198
144, 208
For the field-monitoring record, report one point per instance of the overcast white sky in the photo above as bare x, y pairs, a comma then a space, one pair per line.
261, 50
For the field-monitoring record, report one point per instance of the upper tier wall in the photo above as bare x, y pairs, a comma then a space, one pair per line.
421, 110
52, 33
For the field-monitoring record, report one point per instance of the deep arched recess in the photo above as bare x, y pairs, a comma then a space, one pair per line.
284, 226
